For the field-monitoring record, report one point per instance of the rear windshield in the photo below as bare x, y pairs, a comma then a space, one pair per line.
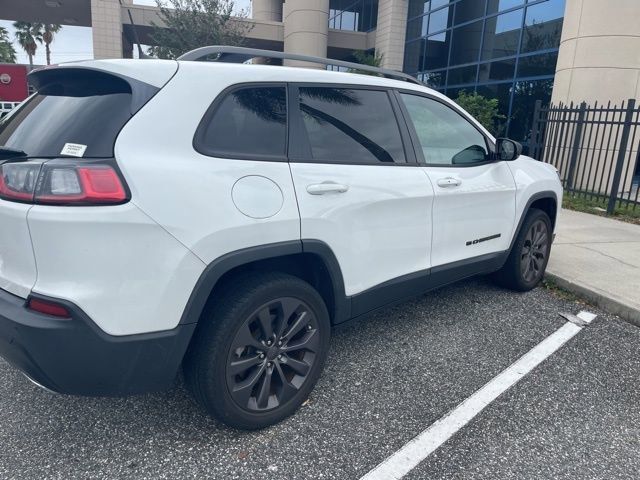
81, 107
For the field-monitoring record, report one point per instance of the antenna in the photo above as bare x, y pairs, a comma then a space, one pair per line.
141, 54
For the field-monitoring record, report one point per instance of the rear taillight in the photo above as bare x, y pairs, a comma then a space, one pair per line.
48, 308
18, 181
62, 182
95, 184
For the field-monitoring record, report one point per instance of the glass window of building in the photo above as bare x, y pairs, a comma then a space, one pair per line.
502, 35
538, 65
414, 56
525, 94
494, 47
498, 70
354, 15
462, 75
437, 51
434, 4
434, 79
418, 7
466, 43
438, 20
494, 6
417, 27
349, 20
503, 93
543, 26
468, 10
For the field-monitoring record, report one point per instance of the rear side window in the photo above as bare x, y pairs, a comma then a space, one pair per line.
351, 126
82, 107
247, 123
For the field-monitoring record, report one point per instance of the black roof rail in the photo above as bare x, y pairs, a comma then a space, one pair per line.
241, 54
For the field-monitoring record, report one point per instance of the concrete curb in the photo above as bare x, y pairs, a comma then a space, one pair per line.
611, 305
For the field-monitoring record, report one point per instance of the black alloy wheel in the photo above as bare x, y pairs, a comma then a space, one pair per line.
272, 354
527, 260
259, 349
534, 251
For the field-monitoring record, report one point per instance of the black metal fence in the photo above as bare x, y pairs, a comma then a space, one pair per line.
595, 148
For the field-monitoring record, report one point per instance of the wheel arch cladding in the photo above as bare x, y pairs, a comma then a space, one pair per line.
311, 260
546, 201
549, 205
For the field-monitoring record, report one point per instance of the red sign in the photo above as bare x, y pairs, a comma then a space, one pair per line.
13, 82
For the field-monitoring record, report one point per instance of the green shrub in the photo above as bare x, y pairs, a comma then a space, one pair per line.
483, 109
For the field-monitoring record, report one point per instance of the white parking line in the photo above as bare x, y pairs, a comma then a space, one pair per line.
414, 452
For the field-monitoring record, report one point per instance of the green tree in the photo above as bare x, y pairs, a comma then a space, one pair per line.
373, 60
483, 109
190, 24
49, 32
28, 36
7, 52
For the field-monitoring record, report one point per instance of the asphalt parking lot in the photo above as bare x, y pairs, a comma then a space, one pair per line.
387, 379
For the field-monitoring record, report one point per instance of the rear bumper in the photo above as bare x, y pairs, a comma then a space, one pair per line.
73, 356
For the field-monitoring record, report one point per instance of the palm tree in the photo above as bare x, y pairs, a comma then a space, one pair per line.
7, 52
28, 36
364, 58
50, 29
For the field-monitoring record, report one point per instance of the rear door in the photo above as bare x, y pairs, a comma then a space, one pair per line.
358, 190
474, 206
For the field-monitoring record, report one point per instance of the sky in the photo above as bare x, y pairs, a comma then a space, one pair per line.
74, 43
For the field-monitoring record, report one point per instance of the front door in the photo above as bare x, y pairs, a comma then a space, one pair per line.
474, 205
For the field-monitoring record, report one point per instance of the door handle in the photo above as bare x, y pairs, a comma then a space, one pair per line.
449, 182
326, 187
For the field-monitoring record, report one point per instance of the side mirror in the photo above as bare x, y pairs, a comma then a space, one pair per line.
507, 149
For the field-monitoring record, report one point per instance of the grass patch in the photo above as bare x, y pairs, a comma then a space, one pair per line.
560, 292
595, 205
557, 291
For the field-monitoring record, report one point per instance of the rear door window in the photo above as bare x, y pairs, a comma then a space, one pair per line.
247, 123
83, 107
351, 126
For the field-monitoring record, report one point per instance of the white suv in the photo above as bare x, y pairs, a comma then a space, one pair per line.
224, 216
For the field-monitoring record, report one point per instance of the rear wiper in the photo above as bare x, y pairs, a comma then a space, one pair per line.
8, 152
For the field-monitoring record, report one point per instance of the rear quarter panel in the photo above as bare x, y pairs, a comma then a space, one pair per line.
188, 193
115, 263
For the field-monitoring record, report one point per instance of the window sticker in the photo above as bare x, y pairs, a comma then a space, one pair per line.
73, 149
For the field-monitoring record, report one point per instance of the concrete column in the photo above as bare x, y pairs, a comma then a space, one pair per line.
599, 55
106, 25
270, 10
391, 32
599, 60
306, 28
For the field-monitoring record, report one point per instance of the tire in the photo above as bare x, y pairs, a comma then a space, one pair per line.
233, 371
525, 266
